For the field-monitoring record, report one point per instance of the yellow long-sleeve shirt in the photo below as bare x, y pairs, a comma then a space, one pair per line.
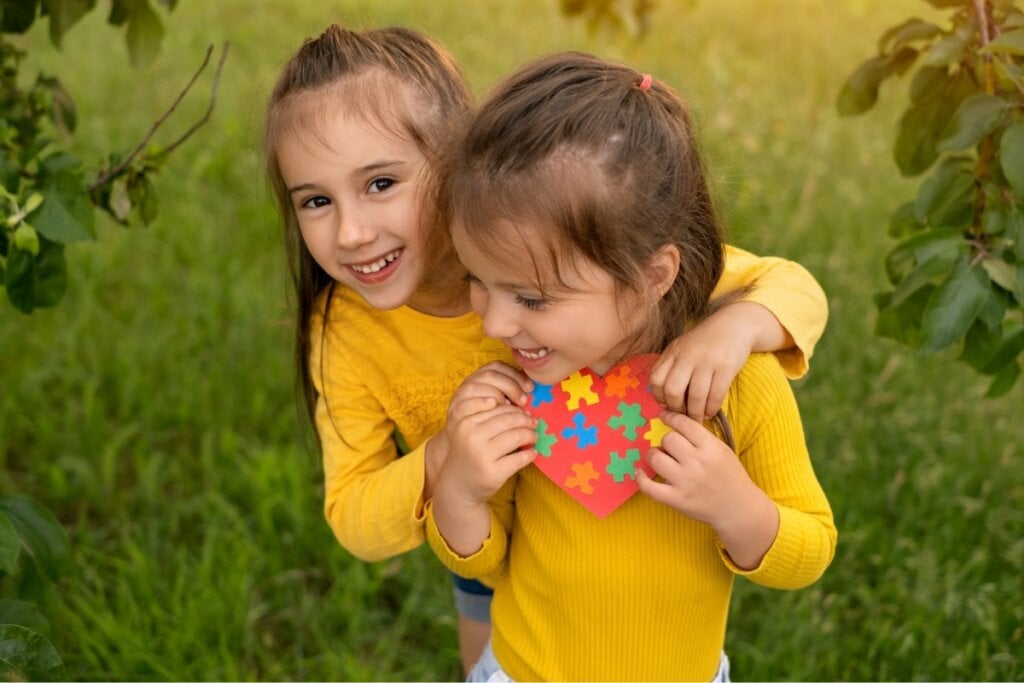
381, 372
643, 594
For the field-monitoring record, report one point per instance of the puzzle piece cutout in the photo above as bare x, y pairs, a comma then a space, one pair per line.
629, 418
578, 386
622, 467
593, 431
544, 439
583, 475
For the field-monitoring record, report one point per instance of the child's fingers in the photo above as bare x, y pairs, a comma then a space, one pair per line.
697, 393
516, 460
500, 380
665, 465
471, 406
674, 385
657, 491
692, 431
719, 388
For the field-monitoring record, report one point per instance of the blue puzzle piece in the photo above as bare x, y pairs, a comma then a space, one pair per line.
585, 436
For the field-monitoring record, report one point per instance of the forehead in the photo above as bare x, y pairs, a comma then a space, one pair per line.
373, 104
317, 135
514, 255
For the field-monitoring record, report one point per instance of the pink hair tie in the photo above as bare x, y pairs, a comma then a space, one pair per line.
645, 82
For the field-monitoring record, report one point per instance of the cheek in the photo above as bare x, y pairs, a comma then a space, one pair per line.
478, 300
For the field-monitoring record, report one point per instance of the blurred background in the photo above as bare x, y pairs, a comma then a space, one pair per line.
153, 409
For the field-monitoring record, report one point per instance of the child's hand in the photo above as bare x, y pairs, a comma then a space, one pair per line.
485, 448
693, 374
705, 480
493, 384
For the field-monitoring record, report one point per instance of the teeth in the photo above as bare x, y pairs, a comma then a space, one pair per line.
367, 268
534, 355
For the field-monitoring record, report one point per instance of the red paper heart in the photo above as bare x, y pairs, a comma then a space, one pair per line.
594, 430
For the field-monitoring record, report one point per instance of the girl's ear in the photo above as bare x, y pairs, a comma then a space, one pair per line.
662, 268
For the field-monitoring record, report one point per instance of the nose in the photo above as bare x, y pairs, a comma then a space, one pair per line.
353, 230
499, 319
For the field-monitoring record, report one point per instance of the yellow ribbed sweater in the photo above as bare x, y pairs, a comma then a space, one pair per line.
644, 593
381, 372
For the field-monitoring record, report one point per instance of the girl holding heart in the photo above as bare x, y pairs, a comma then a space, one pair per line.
578, 203
385, 333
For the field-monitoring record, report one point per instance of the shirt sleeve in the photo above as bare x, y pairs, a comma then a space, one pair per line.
774, 453
373, 499
491, 559
786, 289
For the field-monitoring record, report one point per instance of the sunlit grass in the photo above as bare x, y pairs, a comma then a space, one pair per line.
153, 409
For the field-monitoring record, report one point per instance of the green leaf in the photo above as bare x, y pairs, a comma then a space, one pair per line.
1004, 381
41, 534
860, 92
26, 238
1011, 156
976, 117
64, 14
36, 281
949, 50
930, 270
942, 4
902, 222
929, 82
10, 545
954, 305
1015, 231
902, 322
916, 147
980, 344
1004, 275
919, 248
24, 614
1008, 43
1007, 352
145, 33
119, 203
67, 213
62, 110
18, 15
1011, 75
118, 12
909, 31
145, 198
944, 198
30, 654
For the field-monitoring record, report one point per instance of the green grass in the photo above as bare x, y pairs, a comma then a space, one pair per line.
153, 409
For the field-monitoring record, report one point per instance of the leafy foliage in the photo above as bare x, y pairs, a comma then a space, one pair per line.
47, 195
32, 542
957, 270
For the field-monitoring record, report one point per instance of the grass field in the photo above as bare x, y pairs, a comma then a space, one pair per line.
153, 409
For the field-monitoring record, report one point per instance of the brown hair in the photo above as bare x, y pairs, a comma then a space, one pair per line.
572, 142
346, 69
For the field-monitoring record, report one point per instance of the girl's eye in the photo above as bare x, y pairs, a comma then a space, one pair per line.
378, 185
530, 304
315, 202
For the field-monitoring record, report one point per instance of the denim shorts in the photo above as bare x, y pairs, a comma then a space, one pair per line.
472, 599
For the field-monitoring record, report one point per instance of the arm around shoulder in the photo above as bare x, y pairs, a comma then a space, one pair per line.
771, 446
789, 292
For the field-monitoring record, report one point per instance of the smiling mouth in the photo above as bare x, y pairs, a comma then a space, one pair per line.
533, 354
371, 267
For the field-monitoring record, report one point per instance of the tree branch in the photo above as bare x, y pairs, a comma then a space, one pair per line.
113, 172
209, 109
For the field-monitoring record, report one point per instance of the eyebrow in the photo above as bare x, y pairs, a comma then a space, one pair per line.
362, 170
